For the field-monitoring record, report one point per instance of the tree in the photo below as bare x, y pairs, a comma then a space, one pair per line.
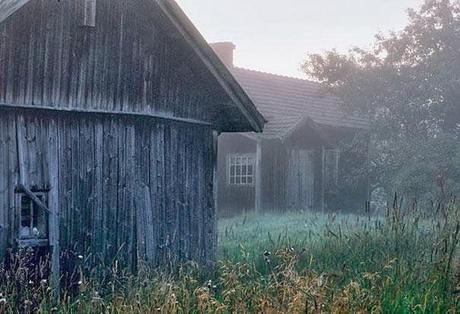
409, 86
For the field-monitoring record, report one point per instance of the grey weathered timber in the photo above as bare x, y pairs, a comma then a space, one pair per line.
53, 171
292, 173
258, 170
23, 189
89, 13
108, 197
135, 60
110, 109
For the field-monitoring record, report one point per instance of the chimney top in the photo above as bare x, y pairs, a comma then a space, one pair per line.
224, 51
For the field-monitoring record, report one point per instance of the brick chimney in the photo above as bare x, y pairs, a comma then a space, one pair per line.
225, 52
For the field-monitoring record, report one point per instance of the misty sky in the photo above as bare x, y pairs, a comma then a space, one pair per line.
275, 36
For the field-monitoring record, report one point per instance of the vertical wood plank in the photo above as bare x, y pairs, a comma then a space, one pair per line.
21, 149
323, 179
13, 178
215, 178
98, 236
258, 192
130, 207
3, 186
89, 13
54, 226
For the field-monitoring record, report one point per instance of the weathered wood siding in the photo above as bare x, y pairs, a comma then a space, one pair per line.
292, 173
291, 176
233, 199
125, 188
126, 63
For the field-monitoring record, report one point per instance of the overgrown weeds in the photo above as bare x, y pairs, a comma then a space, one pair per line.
404, 262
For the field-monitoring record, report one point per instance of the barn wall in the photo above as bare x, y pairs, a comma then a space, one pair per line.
126, 63
134, 189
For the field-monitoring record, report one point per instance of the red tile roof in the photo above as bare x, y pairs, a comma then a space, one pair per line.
285, 101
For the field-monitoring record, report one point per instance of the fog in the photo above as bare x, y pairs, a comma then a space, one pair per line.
274, 36
141, 174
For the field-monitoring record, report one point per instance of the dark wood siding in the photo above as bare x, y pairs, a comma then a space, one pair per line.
278, 192
136, 189
233, 199
126, 63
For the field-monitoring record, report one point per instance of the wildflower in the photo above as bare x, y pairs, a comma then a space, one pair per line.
209, 285
31, 282
80, 256
80, 283
267, 253
43, 281
292, 249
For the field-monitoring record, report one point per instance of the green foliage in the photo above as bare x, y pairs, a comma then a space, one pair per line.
297, 262
409, 85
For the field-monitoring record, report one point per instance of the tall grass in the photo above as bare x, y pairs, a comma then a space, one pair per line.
403, 262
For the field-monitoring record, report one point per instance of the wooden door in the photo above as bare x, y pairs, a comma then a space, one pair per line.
300, 180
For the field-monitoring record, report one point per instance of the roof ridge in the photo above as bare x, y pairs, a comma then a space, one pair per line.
278, 75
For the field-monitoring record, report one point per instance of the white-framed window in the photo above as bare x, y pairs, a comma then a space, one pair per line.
241, 169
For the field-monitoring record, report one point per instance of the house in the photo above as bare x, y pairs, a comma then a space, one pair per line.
311, 155
109, 117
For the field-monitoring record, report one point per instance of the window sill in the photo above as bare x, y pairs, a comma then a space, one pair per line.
25, 243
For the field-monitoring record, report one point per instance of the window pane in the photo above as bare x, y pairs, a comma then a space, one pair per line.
244, 169
238, 180
241, 169
26, 208
232, 170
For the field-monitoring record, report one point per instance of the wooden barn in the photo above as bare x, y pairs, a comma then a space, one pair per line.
311, 156
109, 116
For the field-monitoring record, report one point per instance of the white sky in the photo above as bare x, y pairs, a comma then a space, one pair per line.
275, 36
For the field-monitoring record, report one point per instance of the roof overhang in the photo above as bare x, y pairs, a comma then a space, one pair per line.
291, 130
195, 40
213, 63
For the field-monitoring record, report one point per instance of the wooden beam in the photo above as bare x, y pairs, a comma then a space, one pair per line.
215, 188
258, 196
33, 197
45, 109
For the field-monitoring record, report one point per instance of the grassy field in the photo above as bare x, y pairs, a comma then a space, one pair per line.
290, 263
